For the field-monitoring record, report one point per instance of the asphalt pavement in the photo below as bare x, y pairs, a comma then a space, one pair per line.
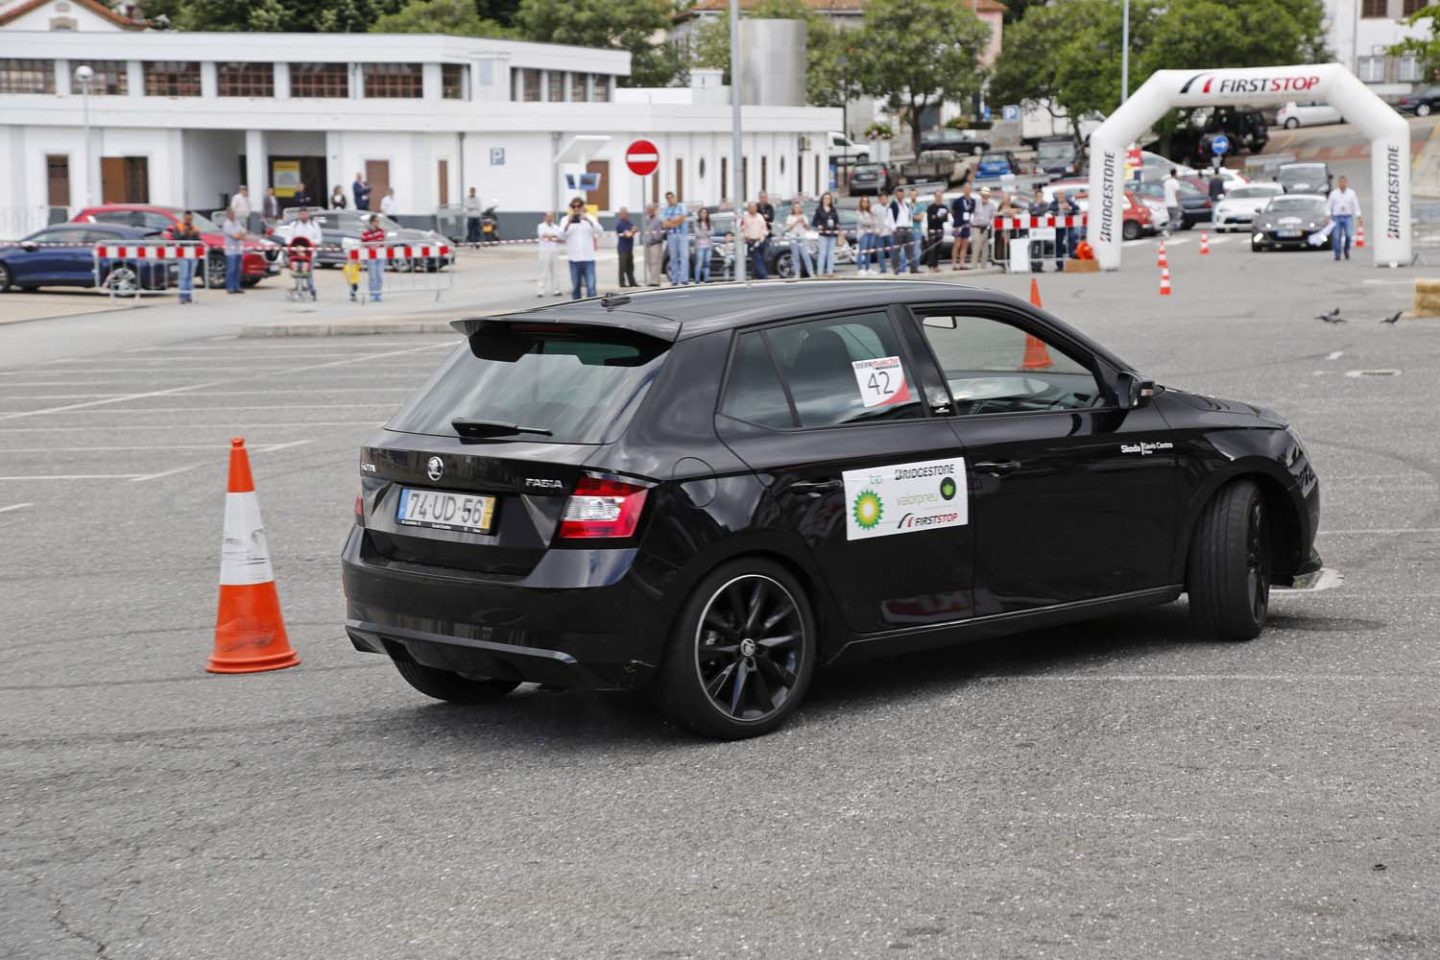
1110, 790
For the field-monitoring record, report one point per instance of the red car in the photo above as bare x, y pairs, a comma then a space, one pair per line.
1136, 220
261, 258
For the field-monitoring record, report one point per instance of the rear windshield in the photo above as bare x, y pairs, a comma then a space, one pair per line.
1250, 193
1307, 171
580, 383
1055, 150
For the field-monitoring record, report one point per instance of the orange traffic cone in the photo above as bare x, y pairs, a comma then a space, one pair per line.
249, 631
1160, 260
1204, 243
1037, 357
1164, 281
1359, 236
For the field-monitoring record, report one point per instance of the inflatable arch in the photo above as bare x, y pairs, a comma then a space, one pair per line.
1388, 212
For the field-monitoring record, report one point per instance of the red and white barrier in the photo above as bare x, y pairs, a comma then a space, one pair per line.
411, 252
1034, 223
146, 251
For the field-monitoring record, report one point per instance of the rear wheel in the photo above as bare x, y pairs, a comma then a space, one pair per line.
122, 280
448, 686
742, 652
784, 266
5, 278
1291, 124
1131, 230
1229, 570
214, 272
1423, 110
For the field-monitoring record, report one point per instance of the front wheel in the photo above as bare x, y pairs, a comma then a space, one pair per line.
785, 266
1228, 577
448, 686
214, 272
6, 278
741, 654
1423, 110
122, 280
1291, 124
1131, 230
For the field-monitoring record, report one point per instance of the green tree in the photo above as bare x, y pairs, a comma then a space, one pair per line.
295, 16
638, 26
919, 53
826, 47
1426, 48
1192, 34
458, 18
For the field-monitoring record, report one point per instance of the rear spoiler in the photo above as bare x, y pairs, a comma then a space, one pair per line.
642, 324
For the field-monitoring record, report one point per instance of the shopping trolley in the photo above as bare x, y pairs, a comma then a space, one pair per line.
301, 258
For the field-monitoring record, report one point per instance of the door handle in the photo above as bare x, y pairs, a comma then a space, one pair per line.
815, 487
998, 468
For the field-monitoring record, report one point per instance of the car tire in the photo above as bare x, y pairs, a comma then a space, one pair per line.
1291, 124
1255, 247
1131, 230
726, 674
122, 280
1228, 575
214, 272
448, 686
1423, 110
784, 266
5, 277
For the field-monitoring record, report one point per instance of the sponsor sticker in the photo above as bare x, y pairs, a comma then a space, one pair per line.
905, 498
882, 381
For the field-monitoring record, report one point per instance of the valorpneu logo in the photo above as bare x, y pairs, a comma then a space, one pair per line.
1392, 191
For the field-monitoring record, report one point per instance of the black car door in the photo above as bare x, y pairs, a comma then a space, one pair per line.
1071, 497
857, 470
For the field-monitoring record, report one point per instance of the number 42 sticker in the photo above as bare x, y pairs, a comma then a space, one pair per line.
882, 381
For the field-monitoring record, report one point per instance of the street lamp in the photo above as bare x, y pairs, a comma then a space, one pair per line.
737, 150
84, 75
1125, 53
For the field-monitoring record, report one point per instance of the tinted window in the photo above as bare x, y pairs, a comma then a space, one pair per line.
993, 367
828, 380
155, 221
752, 390
578, 382
126, 218
58, 235
1251, 193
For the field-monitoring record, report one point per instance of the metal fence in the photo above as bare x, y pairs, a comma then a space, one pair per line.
1425, 232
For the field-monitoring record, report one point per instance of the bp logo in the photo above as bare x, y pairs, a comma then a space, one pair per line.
868, 510
947, 488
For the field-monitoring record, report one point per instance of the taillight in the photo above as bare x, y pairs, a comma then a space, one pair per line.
359, 509
601, 507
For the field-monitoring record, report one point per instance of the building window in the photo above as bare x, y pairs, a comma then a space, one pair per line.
1373, 8
452, 81
555, 86
1415, 6
525, 84
600, 93
27, 76
1372, 69
172, 78
319, 80
246, 79
111, 78
1409, 69
57, 176
394, 81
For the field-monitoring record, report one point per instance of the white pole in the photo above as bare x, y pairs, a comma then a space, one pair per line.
1125, 54
737, 152
84, 75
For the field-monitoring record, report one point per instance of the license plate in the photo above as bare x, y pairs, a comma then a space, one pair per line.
1287, 233
445, 511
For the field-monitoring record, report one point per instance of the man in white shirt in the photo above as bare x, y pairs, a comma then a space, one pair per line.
1171, 186
984, 218
387, 203
551, 237
1343, 205
240, 204
473, 210
582, 239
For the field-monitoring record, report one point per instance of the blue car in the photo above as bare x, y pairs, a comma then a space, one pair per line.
40, 261
1000, 163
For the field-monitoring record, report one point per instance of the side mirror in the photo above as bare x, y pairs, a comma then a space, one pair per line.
29, 246
1132, 391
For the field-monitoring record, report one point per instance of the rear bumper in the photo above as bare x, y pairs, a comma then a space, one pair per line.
581, 618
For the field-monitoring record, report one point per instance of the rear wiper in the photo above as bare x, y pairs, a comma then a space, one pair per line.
492, 428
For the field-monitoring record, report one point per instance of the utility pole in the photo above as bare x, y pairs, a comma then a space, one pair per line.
1125, 53
737, 151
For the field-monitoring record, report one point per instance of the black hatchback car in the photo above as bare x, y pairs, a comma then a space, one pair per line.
711, 492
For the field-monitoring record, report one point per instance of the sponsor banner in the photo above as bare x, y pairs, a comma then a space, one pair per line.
899, 498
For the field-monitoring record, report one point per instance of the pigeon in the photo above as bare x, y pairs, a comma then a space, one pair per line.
1332, 317
1393, 318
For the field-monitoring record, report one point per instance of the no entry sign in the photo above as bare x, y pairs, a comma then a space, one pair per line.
642, 157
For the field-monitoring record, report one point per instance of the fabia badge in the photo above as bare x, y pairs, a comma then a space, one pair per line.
435, 468
868, 510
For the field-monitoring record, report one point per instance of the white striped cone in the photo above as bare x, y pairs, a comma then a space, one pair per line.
1164, 281
1160, 260
1204, 243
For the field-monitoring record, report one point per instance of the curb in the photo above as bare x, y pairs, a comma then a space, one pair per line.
344, 329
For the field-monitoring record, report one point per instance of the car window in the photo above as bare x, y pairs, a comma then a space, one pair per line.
126, 218
994, 367
752, 391
154, 221
835, 371
59, 235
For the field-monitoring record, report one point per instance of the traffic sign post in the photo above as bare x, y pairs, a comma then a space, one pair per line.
1219, 146
643, 159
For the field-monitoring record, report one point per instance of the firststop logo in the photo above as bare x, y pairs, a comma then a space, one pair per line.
1260, 83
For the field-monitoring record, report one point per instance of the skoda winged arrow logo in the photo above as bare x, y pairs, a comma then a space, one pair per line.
435, 468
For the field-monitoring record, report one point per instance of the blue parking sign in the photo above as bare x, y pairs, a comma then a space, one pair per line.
1220, 144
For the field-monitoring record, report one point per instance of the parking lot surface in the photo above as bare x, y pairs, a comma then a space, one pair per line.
1108, 790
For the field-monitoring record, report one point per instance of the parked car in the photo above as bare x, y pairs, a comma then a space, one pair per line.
938, 166
1137, 219
261, 258
1057, 158
1288, 221
843, 150
870, 179
38, 261
1245, 129
1194, 203
948, 138
996, 164
340, 229
711, 494
1155, 167
1304, 177
1421, 102
1237, 210
1312, 114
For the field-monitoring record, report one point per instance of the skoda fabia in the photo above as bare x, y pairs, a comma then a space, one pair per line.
711, 492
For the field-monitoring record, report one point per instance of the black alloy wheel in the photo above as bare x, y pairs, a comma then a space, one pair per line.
1229, 570
214, 272
742, 653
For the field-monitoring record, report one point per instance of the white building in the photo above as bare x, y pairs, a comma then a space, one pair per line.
1360, 32
183, 118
